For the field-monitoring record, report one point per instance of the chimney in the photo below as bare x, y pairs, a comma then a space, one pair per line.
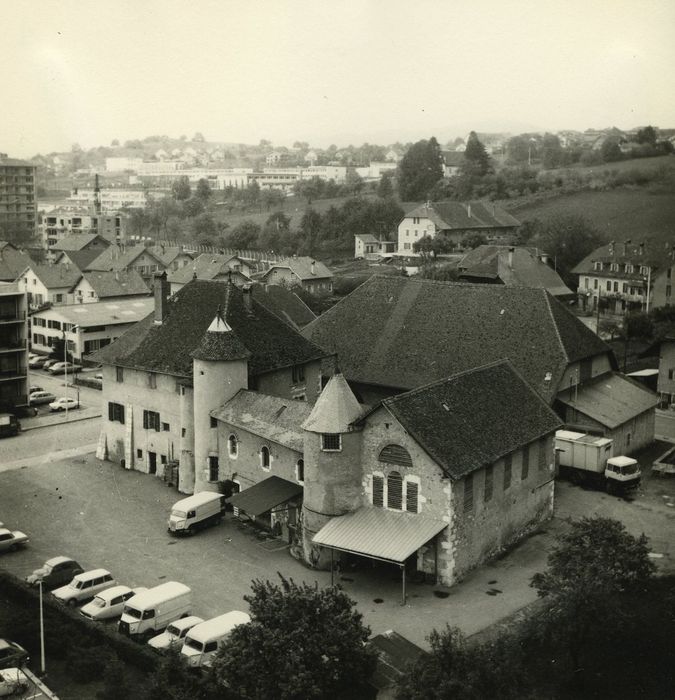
642, 249
312, 268
625, 246
511, 258
248, 298
161, 288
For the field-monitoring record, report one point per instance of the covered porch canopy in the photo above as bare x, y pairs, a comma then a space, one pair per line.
265, 495
376, 533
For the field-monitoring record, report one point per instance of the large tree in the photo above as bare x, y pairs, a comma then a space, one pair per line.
419, 170
476, 158
181, 188
303, 642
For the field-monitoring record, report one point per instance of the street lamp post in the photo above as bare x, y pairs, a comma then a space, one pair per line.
42, 633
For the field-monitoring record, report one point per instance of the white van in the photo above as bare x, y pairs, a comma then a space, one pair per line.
195, 512
174, 634
150, 612
203, 640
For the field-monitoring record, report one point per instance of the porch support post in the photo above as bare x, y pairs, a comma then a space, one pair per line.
403, 584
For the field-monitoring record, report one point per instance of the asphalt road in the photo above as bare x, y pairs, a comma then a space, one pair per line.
105, 516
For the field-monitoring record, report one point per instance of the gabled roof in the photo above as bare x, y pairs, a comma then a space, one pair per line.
623, 253
473, 418
168, 347
366, 237
459, 215
405, 332
453, 159
335, 409
491, 262
302, 268
116, 284
79, 241
207, 266
12, 261
167, 254
56, 276
283, 302
79, 258
269, 417
120, 257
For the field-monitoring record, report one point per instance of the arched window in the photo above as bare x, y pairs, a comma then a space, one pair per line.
300, 470
395, 454
395, 491
232, 445
265, 457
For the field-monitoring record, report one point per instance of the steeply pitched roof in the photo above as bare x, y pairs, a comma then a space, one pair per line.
167, 254
335, 409
207, 266
168, 347
269, 417
283, 302
473, 418
366, 237
120, 257
12, 261
623, 253
78, 241
492, 262
404, 332
219, 343
459, 215
116, 284
79, 258
302, 268
56, 276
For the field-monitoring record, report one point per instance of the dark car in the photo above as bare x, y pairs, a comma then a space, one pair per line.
9, 425
55, 572
12, 655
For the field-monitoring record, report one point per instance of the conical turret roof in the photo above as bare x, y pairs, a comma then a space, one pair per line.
335, 410
220, 343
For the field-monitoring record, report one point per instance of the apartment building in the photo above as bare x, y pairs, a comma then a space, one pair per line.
13, 349
17, 200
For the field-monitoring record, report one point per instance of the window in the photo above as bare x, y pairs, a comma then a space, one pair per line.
489, 474
595, 284
331, 442
265, 457
213, 468
669, 272
183, 432
119, 374
586, 282
416, 220
614, 267
58, 298
411, 496
609, 286
395, 491
468, 493
300, 470
151, 420
616, 286
162, 459
213, 422
670, 373
298, 373
525, 466
507, 471
152, 380
115, 412
166, 427
625, 288
178, 388
378, 491
395, 454
139, 454
232, 446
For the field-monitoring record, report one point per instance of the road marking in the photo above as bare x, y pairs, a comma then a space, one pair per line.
49, 457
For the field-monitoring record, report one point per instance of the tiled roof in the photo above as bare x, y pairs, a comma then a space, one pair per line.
116, 284
269, 417
455, 215
56, 276
120, 257
168, 347
81, 259
473, 418
336, 408
287, 305
167, 254
220, 344
366, 237
492, 262
302, 268
404, 332
623, 253
207, 266
394, 654
453, 158
12, 261
78, 241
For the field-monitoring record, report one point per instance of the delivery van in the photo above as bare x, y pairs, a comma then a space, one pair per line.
203, 640
149, 612
196, 512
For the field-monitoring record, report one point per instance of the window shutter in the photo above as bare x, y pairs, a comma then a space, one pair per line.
121, 411
145, 419
411, 493
395, 491
395, 454
378, 491
111, 410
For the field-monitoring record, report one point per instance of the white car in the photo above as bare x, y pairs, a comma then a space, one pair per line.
9, 541
109, 603
13, 681
84, 586
174, 635
37, 398
63, 367
63, 403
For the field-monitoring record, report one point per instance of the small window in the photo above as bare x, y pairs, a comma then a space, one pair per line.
213, 422
162, 459
265, 457
468, 493
213, 468
670, 373
507, 471
298, 374
152, 380
378, 491
183, 432
232, 446
300, 470
115, 412
395, 491
166, 427
525, 466
119, 374
395, 454
411, 496
331, 442
139, 454
489, 479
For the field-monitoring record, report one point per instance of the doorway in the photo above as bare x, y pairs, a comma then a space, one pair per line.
152, 458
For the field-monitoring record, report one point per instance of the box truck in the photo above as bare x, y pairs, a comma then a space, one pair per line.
196, 512
587, 459
203, 640
149, 612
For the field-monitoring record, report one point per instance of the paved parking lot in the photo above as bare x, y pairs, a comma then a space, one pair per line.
105, 516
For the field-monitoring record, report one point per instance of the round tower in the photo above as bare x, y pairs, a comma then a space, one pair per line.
219, 370
333, 472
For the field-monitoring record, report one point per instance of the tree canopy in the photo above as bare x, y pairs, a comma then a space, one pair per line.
180, 188
476, 158
419, 170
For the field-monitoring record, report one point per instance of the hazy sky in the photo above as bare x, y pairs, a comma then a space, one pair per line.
328, 71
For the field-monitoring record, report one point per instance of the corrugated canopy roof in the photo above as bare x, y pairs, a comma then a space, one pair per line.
265, 495
378, 533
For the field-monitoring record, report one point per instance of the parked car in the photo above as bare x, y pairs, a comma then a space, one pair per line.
9, 425
13, 681
12, 654
63, 367
9, 541
84, 586
63, 403
55, 572
99, 375
49, 363
37, 398
174, 634
34, 387
109, 603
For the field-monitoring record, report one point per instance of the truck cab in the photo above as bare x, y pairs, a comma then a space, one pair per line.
9, 425
622, 473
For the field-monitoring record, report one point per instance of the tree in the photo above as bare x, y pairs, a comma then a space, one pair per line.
205, 229
58, 351
302, 642
384, 188
115, 142
310, 228
476, 158
591, 566
244, 236
646, 135
419, 170
194, 206
203, 190
473, 240
610, 151
180, 189
173, 679
353, 182
517, 150
198, 138
552, 154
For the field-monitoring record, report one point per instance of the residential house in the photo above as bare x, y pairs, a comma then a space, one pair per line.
13, 349
371, 248
276, 158
48, 284
13, 261
626, 277
393, 156
86, 327
310, 274
454, 221
110, 285
79, 249
394, 334
144, 260
173, 257
514, 267
311, 157
212, 266
452, 162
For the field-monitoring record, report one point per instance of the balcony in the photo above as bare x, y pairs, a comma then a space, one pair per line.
11, 315
8, 374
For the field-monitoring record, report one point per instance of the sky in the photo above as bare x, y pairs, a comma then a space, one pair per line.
321, 71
